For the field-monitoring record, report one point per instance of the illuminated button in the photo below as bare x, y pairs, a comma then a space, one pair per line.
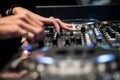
28, 47
99, 45
106, 46
89, 44
45, 60
105, 22
45, 48
105, 58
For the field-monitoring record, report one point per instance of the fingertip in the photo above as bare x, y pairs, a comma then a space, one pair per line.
69, 25
31, 37
58, 30
70, 28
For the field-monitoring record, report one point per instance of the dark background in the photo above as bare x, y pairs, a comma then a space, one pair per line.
106, 12
29, 4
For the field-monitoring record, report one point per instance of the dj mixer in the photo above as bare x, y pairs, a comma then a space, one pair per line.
90, 51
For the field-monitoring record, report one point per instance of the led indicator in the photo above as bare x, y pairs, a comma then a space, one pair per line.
45, 60
105, 58
28, 47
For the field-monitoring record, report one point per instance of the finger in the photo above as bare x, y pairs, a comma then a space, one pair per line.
35, 21
7, 20
47, 21
35, 17
51, 22
29, 27
10, 31
23, 72
22, 32
31, 20
28, 36
63, 25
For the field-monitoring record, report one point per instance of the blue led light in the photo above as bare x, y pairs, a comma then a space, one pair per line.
91, 19
89, 44
28, 47
90, 32
99, 36
45, 60
45, 48
90, 23
106, 46
105, 58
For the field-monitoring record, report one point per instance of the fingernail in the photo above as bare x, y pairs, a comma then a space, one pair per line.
68, 25
58, 30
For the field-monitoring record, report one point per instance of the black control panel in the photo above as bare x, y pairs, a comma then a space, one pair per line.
85, 33
90, 51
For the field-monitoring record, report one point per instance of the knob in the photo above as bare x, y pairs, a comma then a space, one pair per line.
78, 41
51, 30
67, 42
73, 39
55, 42
113, 35
71, 33
83, 29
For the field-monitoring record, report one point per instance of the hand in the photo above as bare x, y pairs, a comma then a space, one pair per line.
11, 74
24, 21
18, 25
57, 23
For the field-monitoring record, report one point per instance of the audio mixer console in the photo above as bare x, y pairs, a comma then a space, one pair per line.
90, 51
85, 33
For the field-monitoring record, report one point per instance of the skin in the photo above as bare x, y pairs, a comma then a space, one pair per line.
24, 21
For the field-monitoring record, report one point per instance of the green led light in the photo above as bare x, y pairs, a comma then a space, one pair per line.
99, 45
